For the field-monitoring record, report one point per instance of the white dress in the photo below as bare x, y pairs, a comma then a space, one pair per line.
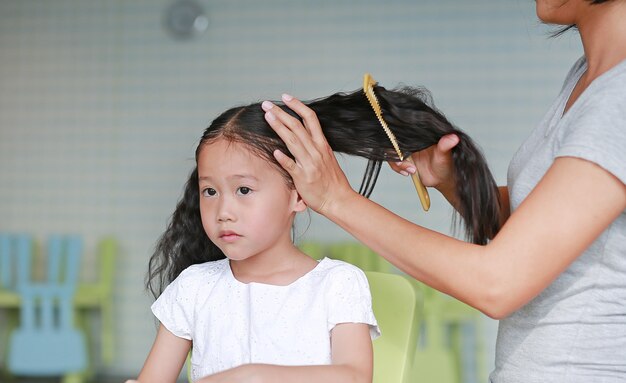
232, 323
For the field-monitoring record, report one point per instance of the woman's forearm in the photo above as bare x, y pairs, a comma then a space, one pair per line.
553, 226
438, 260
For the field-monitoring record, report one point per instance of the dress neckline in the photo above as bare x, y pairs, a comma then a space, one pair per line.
269, 285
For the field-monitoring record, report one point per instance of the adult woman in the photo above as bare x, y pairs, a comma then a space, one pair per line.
556, 271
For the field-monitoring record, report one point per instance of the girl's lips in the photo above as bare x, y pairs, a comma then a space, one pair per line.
229, 236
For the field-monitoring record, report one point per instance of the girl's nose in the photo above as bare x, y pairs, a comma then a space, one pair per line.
225, 211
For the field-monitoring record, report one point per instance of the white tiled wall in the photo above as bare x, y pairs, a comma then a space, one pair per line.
100, 109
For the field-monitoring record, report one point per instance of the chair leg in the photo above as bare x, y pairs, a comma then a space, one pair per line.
12, 321
107, 333
82, 323
73, 377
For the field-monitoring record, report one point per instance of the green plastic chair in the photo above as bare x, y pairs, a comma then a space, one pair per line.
348, 251
99, 296
441, 356
441, 352
314, 250
359, 255
434, 359
398, 303
188, 366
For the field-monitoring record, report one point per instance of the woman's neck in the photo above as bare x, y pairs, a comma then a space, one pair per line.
603, 33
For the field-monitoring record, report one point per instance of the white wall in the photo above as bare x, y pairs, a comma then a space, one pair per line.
100, 109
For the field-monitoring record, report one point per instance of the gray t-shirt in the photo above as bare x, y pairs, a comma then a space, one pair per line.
575, 330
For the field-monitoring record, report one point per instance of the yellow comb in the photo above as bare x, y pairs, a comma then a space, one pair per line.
368, 88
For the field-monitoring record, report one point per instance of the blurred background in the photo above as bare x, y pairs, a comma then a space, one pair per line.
102, 104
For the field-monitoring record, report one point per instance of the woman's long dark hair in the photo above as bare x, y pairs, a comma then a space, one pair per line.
351, 127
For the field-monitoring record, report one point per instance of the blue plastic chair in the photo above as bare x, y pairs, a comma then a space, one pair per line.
46, 343
11, 246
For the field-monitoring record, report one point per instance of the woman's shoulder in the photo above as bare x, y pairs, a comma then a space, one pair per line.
608, 89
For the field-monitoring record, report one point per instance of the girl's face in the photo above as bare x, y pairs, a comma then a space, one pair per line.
245, 204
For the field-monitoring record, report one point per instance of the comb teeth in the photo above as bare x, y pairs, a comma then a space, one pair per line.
368, 88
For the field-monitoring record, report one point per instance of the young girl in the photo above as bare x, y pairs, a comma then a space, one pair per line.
240, 292
249, 304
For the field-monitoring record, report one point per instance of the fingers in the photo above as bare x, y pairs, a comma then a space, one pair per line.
311, 122
287, 163
403, 167
290, 130
277, 117
447, 142
305, 142
429, 158
314, 168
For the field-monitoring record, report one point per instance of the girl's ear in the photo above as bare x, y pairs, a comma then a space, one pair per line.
298, 203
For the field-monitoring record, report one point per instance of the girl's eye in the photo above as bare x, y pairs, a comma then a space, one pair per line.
209, 192
244, 190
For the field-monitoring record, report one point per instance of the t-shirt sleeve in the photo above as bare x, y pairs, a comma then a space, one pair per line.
174, 307
350, 300
597, 132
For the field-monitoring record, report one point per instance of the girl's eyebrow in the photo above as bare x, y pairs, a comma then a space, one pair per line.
234, 176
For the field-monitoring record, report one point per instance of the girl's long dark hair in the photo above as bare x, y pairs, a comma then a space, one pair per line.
351, 127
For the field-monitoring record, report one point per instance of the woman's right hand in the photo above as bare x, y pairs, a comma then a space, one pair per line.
434, 165
315, 171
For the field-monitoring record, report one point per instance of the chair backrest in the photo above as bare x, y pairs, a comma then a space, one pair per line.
397, 302
12, 248
46, 342
99, 295
443, 355
348, 251
107, 250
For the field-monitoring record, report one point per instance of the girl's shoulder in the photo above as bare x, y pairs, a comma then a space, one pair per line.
202, 272
334, 269
336, 264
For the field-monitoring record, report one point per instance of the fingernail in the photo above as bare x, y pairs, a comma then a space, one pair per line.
404, 173
287, 97
266, 105
270, 116
411, 169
